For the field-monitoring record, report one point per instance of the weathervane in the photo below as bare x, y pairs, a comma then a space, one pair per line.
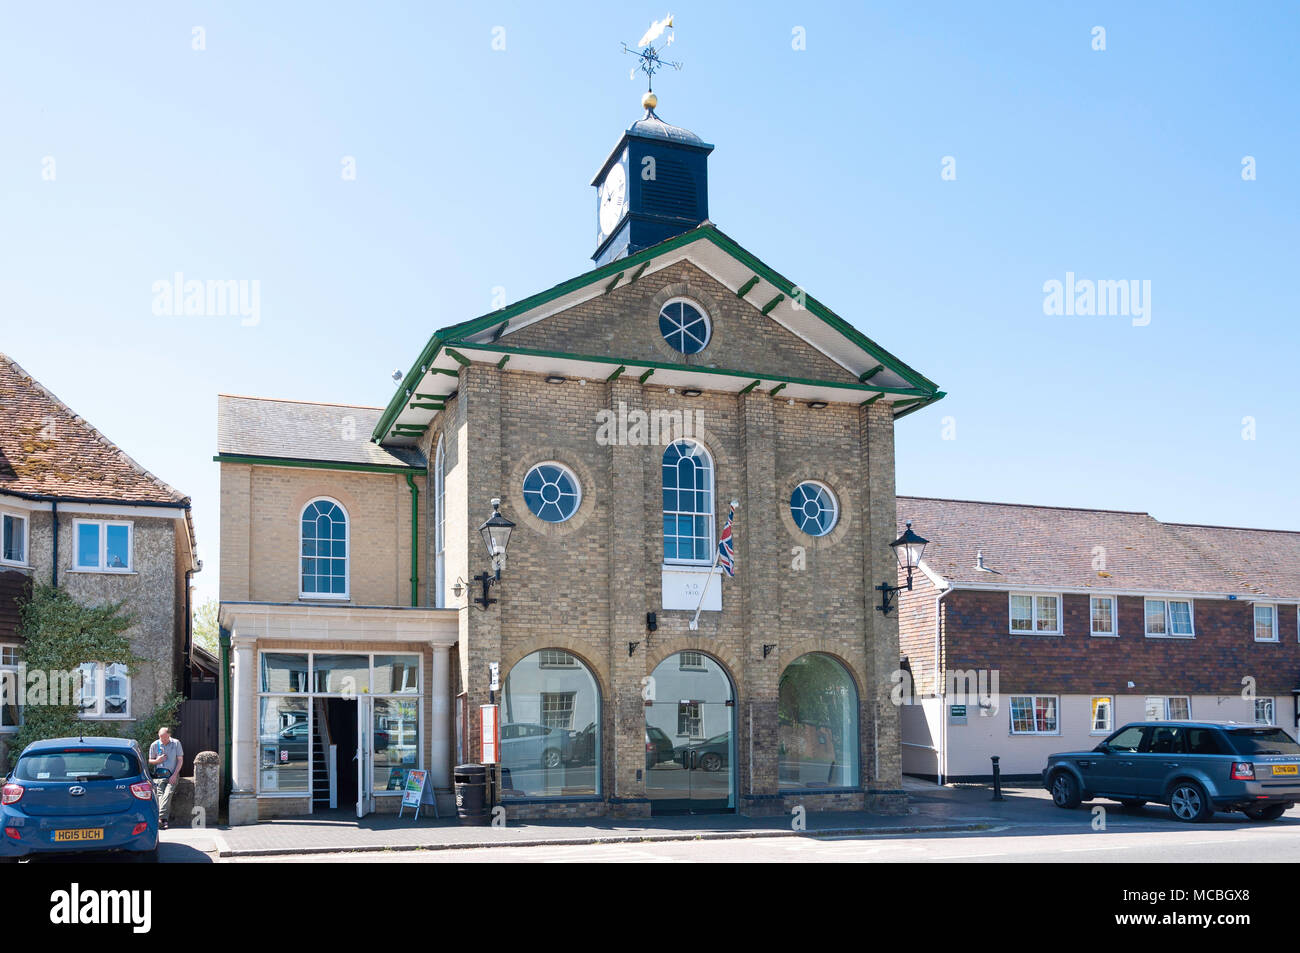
651, 62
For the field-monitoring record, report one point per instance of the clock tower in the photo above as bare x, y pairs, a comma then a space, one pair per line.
653, 185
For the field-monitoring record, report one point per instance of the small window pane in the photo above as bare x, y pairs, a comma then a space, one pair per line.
396, 740
1101, 713
397, 674
1103, 616
1180, 618
88, 545
1022, 608
89, 693
1264, 711
117, 690
1180, 708
1264, 630
14, 530
1047, 615
284, 672
341, 674
118, 545
1156, 617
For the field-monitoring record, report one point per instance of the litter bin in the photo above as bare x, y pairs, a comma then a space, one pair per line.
471, 793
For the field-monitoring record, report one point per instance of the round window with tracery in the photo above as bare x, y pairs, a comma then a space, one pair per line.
685, 326
551, 492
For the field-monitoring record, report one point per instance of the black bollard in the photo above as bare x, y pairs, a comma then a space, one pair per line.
997, 780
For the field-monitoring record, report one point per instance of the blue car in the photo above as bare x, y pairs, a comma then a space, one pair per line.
77, 794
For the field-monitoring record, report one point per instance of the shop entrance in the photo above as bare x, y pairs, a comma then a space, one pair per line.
690, 721
342, 761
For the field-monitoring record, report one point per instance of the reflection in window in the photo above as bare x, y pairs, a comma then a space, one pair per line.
284, 745
105, 690
340, 674
284, 672
397, 740
11, 714
396, 674
817, 724
550, 737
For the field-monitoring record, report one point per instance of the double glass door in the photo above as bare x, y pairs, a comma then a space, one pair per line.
690, 737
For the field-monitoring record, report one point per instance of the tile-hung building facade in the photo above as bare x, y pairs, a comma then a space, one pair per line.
616, 416
1038, 629
77, 512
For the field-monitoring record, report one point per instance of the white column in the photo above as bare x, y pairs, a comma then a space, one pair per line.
440, 730
244, 719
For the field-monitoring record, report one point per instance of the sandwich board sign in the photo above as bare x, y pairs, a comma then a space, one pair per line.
413, 793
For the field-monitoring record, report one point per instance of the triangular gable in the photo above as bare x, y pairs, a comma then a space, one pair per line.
870, 373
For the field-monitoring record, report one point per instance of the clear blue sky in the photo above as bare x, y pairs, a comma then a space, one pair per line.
472, 168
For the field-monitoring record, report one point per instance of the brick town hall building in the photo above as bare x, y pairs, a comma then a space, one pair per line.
615, 415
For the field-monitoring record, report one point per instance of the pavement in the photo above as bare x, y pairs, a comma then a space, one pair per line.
933, 810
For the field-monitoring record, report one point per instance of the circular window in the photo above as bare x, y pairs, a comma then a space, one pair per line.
813, 508
684, 326
551, 492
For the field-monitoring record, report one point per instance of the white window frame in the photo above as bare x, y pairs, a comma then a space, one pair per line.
1033, 702
1033, 598
1169, 619
701, 310
697, 661
710, 516
560, 658
27, 524
12, 667
1114, 618
1092, 716
347, 555
1165, 700
102, 526
101, 699
1272, 624
1272, 710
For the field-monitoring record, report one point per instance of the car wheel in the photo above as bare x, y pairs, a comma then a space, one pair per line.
550, 758
1189, 802
1065, 791
711, 762
1132, 807
1270, 813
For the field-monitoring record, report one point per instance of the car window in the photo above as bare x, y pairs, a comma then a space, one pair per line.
1203, 741
1262, 741
77, 764
1126, 739
1167, 740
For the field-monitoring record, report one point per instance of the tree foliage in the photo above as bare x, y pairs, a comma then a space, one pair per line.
62, 634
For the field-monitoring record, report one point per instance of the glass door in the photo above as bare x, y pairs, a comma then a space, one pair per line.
690, 737
365, 755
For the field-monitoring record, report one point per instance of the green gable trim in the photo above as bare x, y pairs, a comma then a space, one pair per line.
939, 395
767, 308
871, 373
444, 370
415, 405
644, 266
690, 368
747, 287
777, 389
646, 376
613, 284
871, 400
459, 358
750, 386
615, 376
317, 464
501, 364
708, 233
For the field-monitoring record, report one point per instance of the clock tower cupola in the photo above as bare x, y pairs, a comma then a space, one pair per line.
654, 184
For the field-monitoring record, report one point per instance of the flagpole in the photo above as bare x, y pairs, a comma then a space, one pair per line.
713, 571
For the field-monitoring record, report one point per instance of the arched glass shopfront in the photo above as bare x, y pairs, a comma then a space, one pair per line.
817, 724
690, 736
550, 728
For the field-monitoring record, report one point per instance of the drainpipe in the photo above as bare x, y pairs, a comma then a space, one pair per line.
941, 756
186, 676
223, 639
54, 511
415, 540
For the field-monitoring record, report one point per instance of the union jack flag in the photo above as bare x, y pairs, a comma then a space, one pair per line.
726, 555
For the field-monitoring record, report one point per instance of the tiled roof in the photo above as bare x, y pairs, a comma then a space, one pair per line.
46, 449
1099, 549
298, 430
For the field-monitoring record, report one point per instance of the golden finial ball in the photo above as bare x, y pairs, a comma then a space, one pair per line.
649, 100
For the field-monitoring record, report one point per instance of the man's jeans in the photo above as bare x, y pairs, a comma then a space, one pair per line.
166, 788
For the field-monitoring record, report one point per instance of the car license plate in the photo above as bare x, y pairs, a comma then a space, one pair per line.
1286, 769
81, 834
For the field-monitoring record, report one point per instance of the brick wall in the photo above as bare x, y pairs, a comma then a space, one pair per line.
1215, 662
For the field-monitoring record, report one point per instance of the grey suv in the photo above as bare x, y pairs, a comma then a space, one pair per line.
1196, 767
